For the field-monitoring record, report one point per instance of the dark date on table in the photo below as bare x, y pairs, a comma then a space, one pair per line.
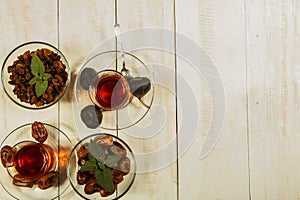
86, 76
91, 116
139, 86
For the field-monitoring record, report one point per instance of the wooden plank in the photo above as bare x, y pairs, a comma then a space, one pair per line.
82, 27
21, 22
273, 80
156, 178
217, 27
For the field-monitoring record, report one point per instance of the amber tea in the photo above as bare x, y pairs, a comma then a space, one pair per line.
33, 160
111, 90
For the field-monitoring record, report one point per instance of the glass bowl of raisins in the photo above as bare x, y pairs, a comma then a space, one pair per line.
108, 96
35, 75
34, 160
101, 166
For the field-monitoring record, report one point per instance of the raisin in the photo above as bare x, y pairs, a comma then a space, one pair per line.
21, 75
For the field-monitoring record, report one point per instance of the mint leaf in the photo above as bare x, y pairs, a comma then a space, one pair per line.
45, 76
111, 160
40, 88
40, 78
37, 67
87, 166
105, 179
101, 165
96, 150
35, 79
108, 180
92, 158
99, 177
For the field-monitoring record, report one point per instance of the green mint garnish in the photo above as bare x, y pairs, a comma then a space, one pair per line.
88, 165
96, 151
111, 160
100, 164
40, 78
105, 179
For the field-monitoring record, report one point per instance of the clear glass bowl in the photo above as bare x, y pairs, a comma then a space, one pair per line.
61, 146
73, 168
13, 56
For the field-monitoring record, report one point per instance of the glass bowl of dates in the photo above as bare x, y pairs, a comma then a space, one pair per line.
101, 166
35, 75
112, 92
34, 161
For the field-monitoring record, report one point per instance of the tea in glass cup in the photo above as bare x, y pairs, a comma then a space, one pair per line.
32, 160
109, 90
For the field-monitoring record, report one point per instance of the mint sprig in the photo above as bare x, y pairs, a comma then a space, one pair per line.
40, 78
105, 179
100, 163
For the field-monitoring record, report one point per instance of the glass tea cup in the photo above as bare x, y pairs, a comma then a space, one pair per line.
32, 160
28, 164
109, 90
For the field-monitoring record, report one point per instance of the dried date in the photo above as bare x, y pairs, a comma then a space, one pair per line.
91, 116
86, 76
48, 180
7, 156
21, 181
92, 186
139, 86
124, 165
117, 176
105, 193
104, 140
83, 177
39, 131
82, 152
117, 149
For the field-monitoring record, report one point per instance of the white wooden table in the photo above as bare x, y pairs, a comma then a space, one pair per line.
253, 44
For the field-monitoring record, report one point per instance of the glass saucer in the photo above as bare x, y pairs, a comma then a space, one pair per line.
60, 145
117, 119
74, 168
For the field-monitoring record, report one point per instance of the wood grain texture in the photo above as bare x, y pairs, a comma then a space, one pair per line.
218, 27
273, 87
160, 182
21, 22
82, 27
254, 45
